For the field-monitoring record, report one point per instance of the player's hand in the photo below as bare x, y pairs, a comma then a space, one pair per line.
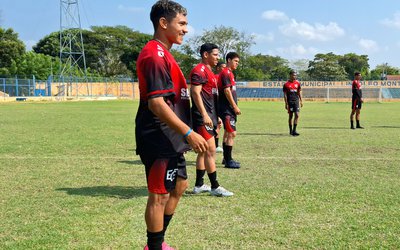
287, 106
237, 110
207, 121
362, 100
219, 123
301, 104
197, 142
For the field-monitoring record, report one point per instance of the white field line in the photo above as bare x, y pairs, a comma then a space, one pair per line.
74, 157
300, 158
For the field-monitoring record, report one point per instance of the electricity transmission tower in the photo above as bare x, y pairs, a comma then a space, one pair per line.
72, 52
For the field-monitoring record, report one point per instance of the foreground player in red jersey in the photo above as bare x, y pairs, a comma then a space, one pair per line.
356, 101
162, 121
204, 93
228, 108
293, 101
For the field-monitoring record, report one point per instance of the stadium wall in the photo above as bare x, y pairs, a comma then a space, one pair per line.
327, 91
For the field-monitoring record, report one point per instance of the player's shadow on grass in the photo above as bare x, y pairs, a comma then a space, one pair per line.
119, 192
264, 134
134, 162
325, 128
385, 126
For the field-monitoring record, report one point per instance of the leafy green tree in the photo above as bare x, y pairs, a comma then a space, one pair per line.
263, 67
354, 63
326, 67
381, 69
123, 42
227, 38
111, 51
301, 66
11, 50
186, 62
39, 65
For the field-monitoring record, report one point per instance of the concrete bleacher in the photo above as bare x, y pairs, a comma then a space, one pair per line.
316, 93
394, 93
259, 93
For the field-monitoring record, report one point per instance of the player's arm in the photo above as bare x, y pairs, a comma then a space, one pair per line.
229, 97
285, 98
300, 97
196, 95
160, 109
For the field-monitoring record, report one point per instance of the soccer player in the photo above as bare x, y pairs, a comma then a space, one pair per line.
162, 121
204, 92
293, 101
228, 108
356, 101
220, 66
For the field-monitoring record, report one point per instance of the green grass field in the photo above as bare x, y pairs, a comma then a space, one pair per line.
70, 179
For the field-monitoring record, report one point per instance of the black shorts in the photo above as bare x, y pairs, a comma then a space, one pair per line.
205, 131
229, 122
294, 107
356, 103
161, 173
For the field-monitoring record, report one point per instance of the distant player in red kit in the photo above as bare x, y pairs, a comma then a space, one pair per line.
220, 66
162, 121
293, 101
356, 101
228, 108
204, 94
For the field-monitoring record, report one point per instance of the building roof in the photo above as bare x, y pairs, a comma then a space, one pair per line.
393, 77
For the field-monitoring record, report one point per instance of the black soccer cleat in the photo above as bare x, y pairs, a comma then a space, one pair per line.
352, 127
360, 127
294, 133
232, 164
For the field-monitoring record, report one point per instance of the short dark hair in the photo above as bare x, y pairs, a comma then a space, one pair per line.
207, 47
167, 9
220, 63
292, 72
357, 73
232, 55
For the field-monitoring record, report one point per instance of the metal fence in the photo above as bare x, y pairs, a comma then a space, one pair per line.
74, 87
67, 87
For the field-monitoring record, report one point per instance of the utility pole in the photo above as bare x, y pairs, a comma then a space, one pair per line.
72, 52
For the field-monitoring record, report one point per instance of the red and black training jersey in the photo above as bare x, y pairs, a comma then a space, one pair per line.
202, 75
356, 89
226, 79
160, 76
292, 90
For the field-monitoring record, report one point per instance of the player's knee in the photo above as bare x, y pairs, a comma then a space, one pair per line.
211, 152
158, 199
181, 186
232, 135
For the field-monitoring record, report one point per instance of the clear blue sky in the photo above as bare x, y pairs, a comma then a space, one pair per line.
287, 28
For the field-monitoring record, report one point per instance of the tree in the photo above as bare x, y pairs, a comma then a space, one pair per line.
111, 51
226, 38
39, 65
11, 50
376, 74
326, 67
300, 66
186, 61
354, 63
124, 42
263, 67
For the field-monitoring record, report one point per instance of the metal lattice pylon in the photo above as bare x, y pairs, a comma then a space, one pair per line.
72, 52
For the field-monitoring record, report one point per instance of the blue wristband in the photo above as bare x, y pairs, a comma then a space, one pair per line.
188, 133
